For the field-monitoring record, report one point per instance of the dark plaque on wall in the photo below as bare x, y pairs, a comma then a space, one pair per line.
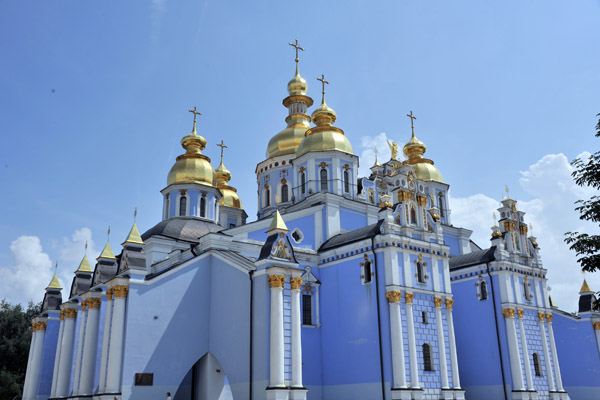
144, 379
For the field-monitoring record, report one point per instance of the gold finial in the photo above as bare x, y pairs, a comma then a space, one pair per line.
86, 247
108, 234
297, 47
222, 146
507, 190
134, 215
323, 82
412, 120
494, 214
54, 283
196, 113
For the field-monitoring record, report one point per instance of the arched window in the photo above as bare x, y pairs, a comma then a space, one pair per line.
413, 214
371, 196
284, 193
302, 183
167, 206
203, 207
536, 364
366, 270
427, 364
441, 204
306, 309
420, 272
267, 197
483, 290
527, 289
182, 206
346, 182
517, 242
324, 184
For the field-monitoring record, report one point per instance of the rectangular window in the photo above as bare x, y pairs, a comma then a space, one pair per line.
424, 317
306, 309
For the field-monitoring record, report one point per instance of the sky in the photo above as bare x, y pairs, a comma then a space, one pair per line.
94, 100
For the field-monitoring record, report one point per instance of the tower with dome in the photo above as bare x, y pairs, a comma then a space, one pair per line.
345, 287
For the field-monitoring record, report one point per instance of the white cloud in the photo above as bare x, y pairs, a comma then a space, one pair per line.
551, 212
367, 157
26, 278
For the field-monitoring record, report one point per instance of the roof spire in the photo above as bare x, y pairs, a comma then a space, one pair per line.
134, 234
54, 283
585, 288
196, 113
107, 252
323, 82
297, 47
412, 122
84, 266
277, 224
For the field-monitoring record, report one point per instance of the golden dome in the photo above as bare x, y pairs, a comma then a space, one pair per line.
229, 196
424, 167
298, 85
324, 136
193, 166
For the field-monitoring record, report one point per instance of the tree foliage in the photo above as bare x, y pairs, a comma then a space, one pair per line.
587, 247
15, 338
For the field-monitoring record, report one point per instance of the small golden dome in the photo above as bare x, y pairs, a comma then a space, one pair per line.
324, 136
298, 85
424, 168
193, 166
223, 174
288, 140
229, 196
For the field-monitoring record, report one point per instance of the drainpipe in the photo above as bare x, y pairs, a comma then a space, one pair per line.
250, 275
378, 317
487, 264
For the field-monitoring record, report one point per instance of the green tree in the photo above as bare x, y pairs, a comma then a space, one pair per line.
587, 247
15, 337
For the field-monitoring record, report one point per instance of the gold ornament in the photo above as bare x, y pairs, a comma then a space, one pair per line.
109, 293
409, 297
438, 302
121, 291
94, 302
596, 326
296, 283
508, 312
449, 304
394, 296
541, 316
71, 313
276, 281
549, 318
520, 314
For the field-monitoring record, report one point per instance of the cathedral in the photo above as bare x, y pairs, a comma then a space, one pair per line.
345, 287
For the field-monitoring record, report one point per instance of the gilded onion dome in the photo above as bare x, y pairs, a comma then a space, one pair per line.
425, 170
324, 136
298, 121
229, 194
193, 166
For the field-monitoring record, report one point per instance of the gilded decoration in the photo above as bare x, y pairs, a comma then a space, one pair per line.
280, 249
596, 326
62, 315
84, 305
509, 226
449, 304
403, 195
109, 294
438, 302
121, 291
307, 289
393, 148
276, 281
394, 296
541, 316
421, 200
71, 313
409, 297
520, 314
41, 326
508, 312
549, 318
34, 327
385, 201
94, 302
523, 229
296, 283
323, 164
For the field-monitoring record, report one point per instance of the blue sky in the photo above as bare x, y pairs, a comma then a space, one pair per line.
95, 98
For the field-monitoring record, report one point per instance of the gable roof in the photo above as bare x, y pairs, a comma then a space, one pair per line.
473, 258
352, 236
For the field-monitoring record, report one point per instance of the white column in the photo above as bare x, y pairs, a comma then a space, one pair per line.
398, 366
554, 354
412, 345
276, 356
26, 385
105, 341
36, 361
88, 361
525, 352
57, 356
513, 349
546, 353
79, 353
596, 326
441, 342
452, 342
296, 334
115, 353
66, 353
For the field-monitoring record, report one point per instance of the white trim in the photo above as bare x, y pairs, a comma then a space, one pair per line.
178, 205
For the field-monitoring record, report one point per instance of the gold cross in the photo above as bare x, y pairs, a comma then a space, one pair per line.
297, 47
323, 82
195, 113
412, 120
222, 146
507, 191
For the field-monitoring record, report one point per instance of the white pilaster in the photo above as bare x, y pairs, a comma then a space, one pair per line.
513, 349
398, 366
89, 349
412, 345
525, 352
557, 375
441, 342
105, 341
66, 353
36, 361
296, 334
276, 354
546, 353
57, 355
79, 354
27, 384
452, 343
117, 332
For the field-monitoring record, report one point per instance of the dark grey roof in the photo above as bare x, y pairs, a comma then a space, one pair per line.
182, 228
352, 236
473, 258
